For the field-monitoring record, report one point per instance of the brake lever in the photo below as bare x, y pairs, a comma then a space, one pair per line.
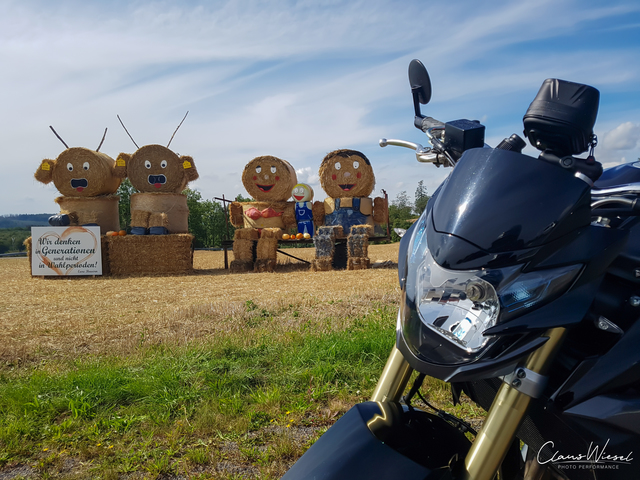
423, 155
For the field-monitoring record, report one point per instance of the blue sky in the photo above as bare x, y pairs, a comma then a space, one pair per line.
296, 80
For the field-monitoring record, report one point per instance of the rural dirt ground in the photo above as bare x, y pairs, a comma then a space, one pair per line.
44, 317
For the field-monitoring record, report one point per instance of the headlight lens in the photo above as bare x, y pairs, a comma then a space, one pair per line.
459, 306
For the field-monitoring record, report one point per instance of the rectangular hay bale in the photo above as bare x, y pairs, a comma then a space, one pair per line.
358, 246
150, 254
267, 248
358, 263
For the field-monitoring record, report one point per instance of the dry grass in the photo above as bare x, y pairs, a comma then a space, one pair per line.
44, 318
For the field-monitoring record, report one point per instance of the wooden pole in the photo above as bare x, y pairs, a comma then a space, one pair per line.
226, 221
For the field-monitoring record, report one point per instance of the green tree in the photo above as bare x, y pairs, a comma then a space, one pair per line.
197, 226
400, 214
11, 239
421, 198
125, 190
208, 221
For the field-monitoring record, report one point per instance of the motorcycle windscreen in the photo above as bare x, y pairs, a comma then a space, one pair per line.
502, 201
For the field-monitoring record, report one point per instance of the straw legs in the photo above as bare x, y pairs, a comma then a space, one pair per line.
153, 223
357, 247
263, 258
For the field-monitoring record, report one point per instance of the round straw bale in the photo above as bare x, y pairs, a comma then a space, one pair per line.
155, 168
269, 178
80, 172
347, 173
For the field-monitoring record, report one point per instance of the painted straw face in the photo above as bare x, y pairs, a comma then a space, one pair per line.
302, 193
269, 178
80, 172
155, 168
346, 173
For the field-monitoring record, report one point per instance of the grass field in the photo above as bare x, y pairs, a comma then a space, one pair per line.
209, 375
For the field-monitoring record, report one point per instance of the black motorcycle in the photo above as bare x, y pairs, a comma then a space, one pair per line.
521, 288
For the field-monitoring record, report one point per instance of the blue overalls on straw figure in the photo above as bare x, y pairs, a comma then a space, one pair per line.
303, 195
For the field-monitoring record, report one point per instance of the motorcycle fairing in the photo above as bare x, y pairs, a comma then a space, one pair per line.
498, 366
603, 420
478, 201
619, 175
383, 440
616, 369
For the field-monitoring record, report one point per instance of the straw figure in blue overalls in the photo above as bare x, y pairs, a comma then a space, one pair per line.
347, 178
303, 196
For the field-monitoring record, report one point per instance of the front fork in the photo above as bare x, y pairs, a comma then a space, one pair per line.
507, 410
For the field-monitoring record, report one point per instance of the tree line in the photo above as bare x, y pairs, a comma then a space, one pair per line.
208, 221
403, 212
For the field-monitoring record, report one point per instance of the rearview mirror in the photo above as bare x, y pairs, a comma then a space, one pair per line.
420, 84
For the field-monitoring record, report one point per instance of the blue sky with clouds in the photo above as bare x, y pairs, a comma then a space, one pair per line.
296, 79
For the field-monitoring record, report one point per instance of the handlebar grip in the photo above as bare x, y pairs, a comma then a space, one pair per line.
430, 122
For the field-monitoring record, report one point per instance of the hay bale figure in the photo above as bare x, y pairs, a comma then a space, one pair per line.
303, 196
269, 181
87, 180
347, 178
160, 176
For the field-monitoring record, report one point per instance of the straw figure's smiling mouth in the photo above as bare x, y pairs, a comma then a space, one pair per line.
79, 184
157, 180
265, 188
298, 197
347, 186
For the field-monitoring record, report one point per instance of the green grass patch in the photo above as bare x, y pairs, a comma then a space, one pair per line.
191, 410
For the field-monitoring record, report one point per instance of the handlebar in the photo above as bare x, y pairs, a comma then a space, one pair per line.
425, 123
423, 155
616, 195
626, 189
403, 143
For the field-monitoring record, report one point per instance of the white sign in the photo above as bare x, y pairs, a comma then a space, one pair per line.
65, 251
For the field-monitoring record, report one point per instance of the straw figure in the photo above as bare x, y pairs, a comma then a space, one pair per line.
347, 178
303, 196
87, 180
269, 180
160, 176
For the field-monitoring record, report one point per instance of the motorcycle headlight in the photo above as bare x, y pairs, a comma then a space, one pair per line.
457, 306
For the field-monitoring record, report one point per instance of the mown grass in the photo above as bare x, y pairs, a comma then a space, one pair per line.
232, 406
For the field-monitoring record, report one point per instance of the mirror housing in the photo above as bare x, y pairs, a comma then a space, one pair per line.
420, 88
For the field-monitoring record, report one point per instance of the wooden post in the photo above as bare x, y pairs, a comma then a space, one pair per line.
226, 221
386, 201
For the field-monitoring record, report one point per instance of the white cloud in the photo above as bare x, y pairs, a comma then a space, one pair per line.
286, 78
624, 137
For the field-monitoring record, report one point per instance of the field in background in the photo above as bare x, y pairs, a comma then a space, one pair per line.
209, 375
53, 317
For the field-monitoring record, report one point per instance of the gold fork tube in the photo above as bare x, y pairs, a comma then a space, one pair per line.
394, 378
506, 414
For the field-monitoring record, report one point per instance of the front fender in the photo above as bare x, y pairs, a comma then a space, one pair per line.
383, 440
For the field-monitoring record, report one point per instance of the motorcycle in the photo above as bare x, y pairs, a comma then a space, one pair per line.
521, 288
